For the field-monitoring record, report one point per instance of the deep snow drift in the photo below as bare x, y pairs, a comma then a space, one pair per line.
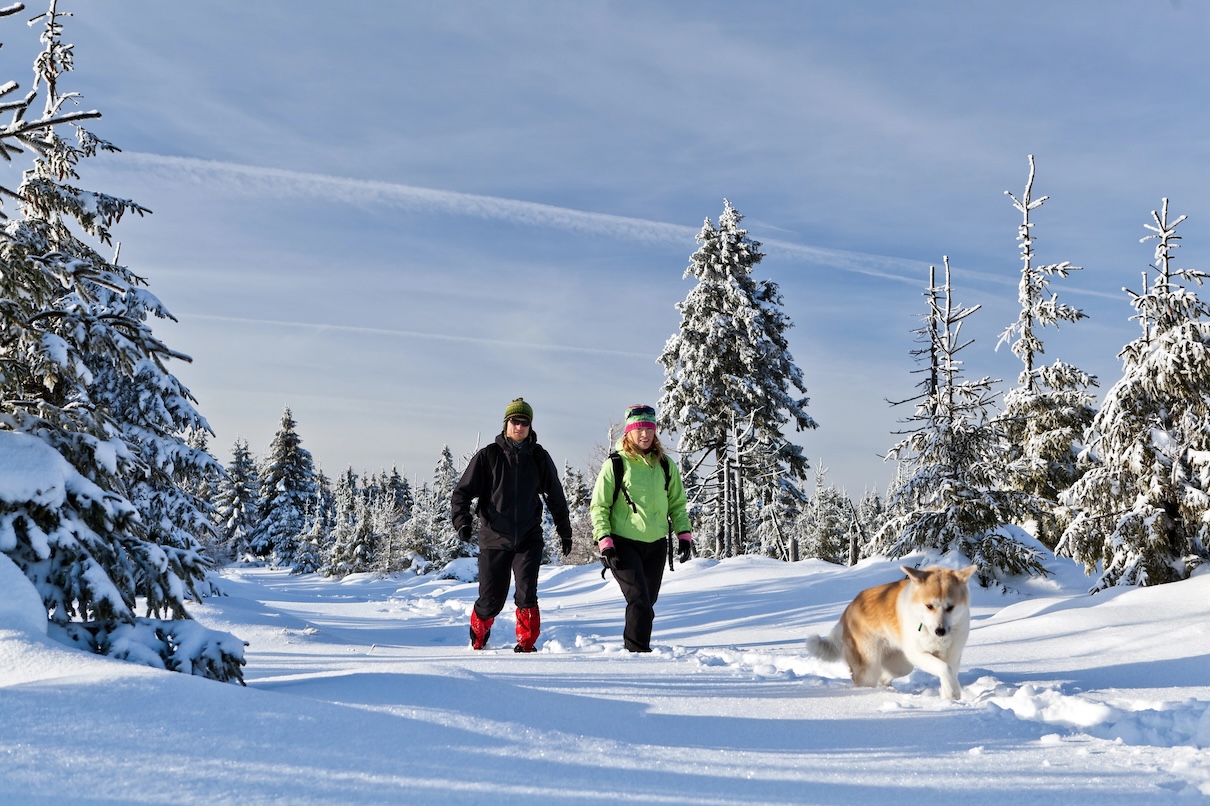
364, 691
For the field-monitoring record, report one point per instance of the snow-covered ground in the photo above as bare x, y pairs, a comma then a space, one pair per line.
365, 691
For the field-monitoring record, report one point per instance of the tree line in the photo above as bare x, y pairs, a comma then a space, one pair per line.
1002, 482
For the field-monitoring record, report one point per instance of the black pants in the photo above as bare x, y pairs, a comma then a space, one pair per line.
639, 574
495, 567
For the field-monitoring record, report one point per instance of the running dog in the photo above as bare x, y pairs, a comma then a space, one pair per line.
921, 621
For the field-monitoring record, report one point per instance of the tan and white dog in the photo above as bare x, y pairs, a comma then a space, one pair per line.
921, 621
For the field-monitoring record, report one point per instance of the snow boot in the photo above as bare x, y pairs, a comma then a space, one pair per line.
528, 626
481, 630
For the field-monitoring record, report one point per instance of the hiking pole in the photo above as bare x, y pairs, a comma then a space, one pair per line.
671, 550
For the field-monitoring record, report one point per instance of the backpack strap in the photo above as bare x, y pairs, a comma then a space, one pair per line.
542, 460
619, 473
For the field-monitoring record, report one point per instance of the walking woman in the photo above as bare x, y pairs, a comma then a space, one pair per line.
638, 495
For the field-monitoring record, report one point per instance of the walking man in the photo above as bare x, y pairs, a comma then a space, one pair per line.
509, 478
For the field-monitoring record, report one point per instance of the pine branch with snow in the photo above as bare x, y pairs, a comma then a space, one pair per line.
1142, 509
949, 494
1046, 415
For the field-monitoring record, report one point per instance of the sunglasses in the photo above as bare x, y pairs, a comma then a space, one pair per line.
641, 411
518, 421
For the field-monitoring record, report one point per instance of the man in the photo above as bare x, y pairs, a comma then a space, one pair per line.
509, 478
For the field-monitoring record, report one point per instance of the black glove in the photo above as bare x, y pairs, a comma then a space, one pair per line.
609, 558
684, 550
566, 546
464, 534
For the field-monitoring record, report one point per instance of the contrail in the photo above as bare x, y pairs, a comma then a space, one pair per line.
280, 183
414, 334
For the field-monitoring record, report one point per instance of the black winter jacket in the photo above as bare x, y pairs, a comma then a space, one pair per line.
508, 480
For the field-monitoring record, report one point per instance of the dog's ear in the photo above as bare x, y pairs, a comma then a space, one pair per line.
915, 574
966, 573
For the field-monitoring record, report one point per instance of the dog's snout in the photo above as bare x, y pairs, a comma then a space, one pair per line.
940, 631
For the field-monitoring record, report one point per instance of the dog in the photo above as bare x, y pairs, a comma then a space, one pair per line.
921, 621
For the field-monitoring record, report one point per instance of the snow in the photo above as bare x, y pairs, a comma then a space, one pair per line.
364, 691
30, 471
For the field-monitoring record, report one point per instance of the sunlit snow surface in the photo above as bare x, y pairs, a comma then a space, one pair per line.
365, 691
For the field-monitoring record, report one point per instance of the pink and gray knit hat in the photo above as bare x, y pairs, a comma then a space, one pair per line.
639, 416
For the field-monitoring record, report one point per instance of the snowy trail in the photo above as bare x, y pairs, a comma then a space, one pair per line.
363, 691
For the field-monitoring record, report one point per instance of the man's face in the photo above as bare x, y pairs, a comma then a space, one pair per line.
518, 429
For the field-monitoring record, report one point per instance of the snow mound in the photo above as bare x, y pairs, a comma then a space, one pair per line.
21, 607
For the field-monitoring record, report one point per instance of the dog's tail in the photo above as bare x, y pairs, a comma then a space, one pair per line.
825, 647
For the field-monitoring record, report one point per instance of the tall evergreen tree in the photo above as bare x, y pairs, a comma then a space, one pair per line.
1046, 415
729, 366
418, 541
1143, 507
827, 523
288, 487
386, 524
773, 522
81, 370
949, 495
446, 545
867, 520
352, 549
236, 501
397, 488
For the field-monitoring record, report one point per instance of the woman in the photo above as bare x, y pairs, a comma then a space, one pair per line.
631, 512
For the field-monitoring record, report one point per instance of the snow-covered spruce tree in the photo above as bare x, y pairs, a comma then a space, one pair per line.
774, 530
288, 488
1142, 510
579, 495
869, 517
949, 495
148, 407
729, 368
73, 332
397, 488
237, 500
417, 542
387, 520
354, 546
323, 506
352, 549
827, 522
202, 482
1046, 415
313, 547
446, 545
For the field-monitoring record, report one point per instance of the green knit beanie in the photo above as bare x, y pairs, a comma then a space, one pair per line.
519, 408
639, 416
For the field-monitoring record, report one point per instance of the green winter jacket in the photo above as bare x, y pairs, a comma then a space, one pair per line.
644, 481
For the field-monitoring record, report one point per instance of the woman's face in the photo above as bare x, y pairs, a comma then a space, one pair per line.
643, 437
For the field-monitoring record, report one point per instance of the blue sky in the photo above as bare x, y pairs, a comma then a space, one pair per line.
396, 217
